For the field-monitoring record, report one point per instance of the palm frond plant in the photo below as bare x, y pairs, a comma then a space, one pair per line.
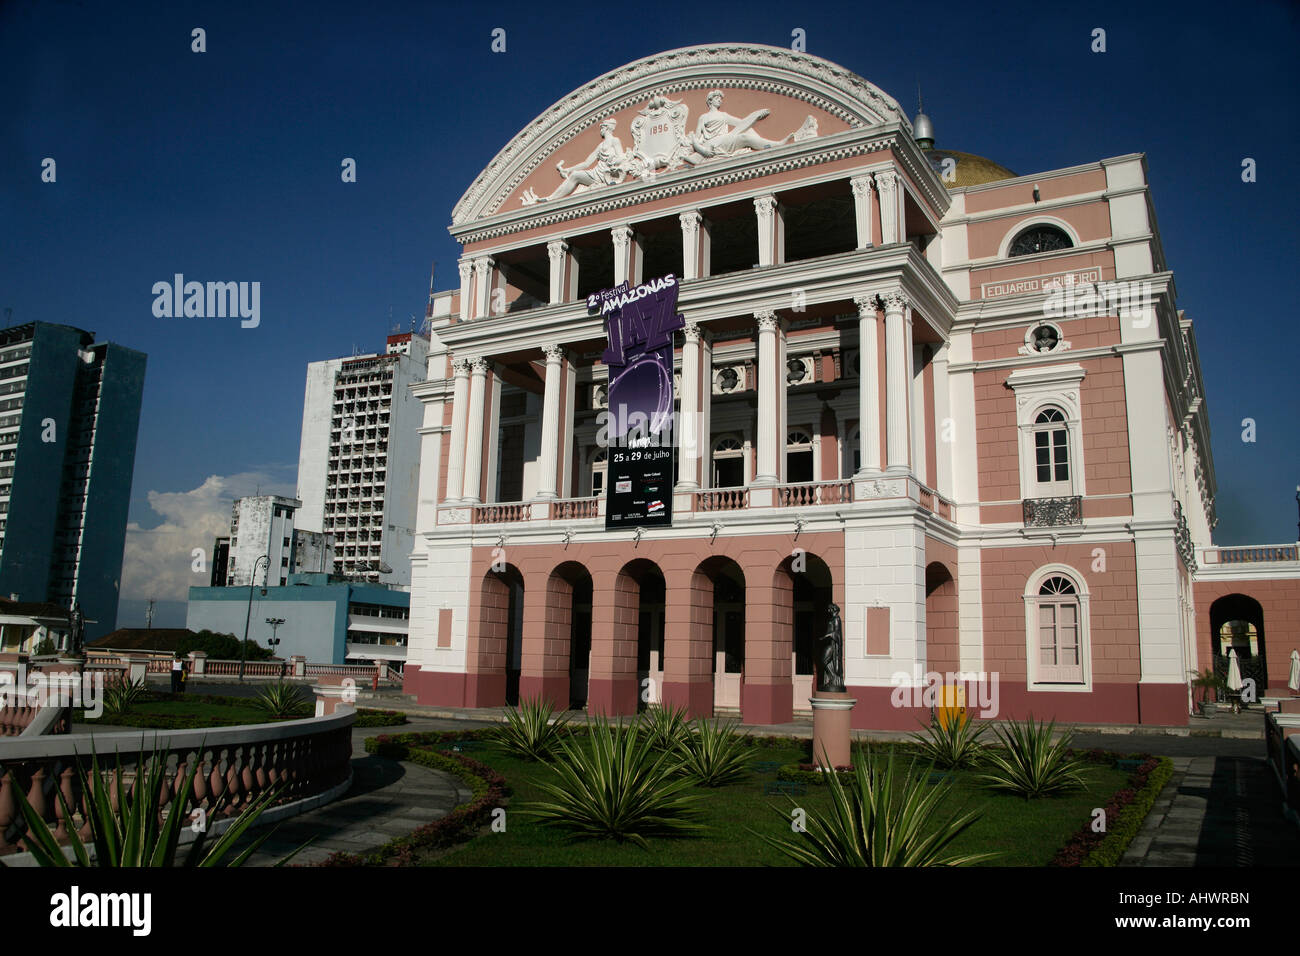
713, 753
880, 818
614, 785
121, 697
529, 732
128, 827
282, 699
665, 726
951, 744
1030, 764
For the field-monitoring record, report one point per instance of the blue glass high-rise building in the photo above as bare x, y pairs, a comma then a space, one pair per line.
69, 416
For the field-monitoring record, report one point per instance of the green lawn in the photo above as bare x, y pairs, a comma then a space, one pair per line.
1023, 833
197, 710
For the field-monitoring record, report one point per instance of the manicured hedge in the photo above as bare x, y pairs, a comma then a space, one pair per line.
490, 792
369, 717
1125, 813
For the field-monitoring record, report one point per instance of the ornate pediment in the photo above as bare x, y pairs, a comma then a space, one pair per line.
669, 113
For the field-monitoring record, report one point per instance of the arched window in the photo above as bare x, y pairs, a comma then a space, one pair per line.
1056, 617
728, 463
1039, 238
1051, 453
798, 457
599, 468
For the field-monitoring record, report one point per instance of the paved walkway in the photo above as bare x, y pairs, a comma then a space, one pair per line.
1217, 811
388, 799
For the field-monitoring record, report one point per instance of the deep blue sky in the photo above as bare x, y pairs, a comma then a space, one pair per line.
225, 166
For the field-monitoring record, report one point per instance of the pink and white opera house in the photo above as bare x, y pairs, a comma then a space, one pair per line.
961, 404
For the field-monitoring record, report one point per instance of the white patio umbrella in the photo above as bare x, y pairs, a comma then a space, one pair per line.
1234, 676
1294, 680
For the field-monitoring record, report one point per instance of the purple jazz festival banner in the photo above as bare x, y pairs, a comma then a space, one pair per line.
639, 431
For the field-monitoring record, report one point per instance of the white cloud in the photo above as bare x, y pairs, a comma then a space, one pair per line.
159, 561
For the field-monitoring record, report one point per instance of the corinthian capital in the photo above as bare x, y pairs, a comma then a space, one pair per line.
622, 237
767, 321
690, 222
867, 304
692, 330
556, 249
886, 182
895, 300
765, 206
553, 353
479, 366
460, 366
861, 185
484, 265
466, 269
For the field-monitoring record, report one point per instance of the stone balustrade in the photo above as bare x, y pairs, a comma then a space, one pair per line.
310, 758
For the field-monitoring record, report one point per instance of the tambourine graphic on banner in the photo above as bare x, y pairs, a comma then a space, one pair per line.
645, 385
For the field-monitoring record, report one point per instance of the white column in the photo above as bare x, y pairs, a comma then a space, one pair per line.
887, 184
689, 424
483, 287
474, 431
558, 251
622, 253
897, 382
459, 420
765, 209
466, 268
769, 442
862, 208
868, 386
550, 422
690, 244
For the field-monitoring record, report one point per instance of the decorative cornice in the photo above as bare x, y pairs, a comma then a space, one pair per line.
633, 194
798, 75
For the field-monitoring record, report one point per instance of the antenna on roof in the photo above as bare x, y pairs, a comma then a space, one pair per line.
428, 311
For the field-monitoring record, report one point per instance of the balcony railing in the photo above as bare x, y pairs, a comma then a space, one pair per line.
1254, 554
722, 499
502, 514
1053, 512
574, 509
819, 493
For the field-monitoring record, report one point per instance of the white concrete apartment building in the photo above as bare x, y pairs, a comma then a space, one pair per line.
359, 459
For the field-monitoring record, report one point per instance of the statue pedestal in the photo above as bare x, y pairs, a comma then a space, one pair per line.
832, 718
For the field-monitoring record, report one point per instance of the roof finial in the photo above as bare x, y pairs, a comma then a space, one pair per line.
922, 128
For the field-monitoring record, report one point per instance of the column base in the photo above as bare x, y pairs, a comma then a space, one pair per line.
552, 688
696, 697
832, 717
612, 697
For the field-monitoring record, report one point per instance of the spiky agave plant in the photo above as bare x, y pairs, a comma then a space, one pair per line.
951, 744
137, 834
713, 753
879, 818
528, 732
614, 785
1030, 763
121, 696
665, 726
282, 699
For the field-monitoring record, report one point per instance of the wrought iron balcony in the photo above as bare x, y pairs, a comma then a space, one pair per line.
1052, 512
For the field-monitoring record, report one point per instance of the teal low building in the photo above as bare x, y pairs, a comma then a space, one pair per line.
325, 618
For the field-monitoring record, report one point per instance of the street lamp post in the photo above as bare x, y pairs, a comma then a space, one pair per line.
274, 642
243, 647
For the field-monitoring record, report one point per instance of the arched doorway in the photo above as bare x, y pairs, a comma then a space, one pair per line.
728, 583
499, 638
558, 639
626, 640
942, 650
812, 594
650, 637
1237, 622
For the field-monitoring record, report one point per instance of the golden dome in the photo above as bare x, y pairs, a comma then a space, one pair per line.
966, 169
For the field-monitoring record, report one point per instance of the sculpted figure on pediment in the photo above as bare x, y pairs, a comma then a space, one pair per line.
716, 136
606, 166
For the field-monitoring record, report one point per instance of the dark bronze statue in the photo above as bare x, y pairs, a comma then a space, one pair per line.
830, 669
